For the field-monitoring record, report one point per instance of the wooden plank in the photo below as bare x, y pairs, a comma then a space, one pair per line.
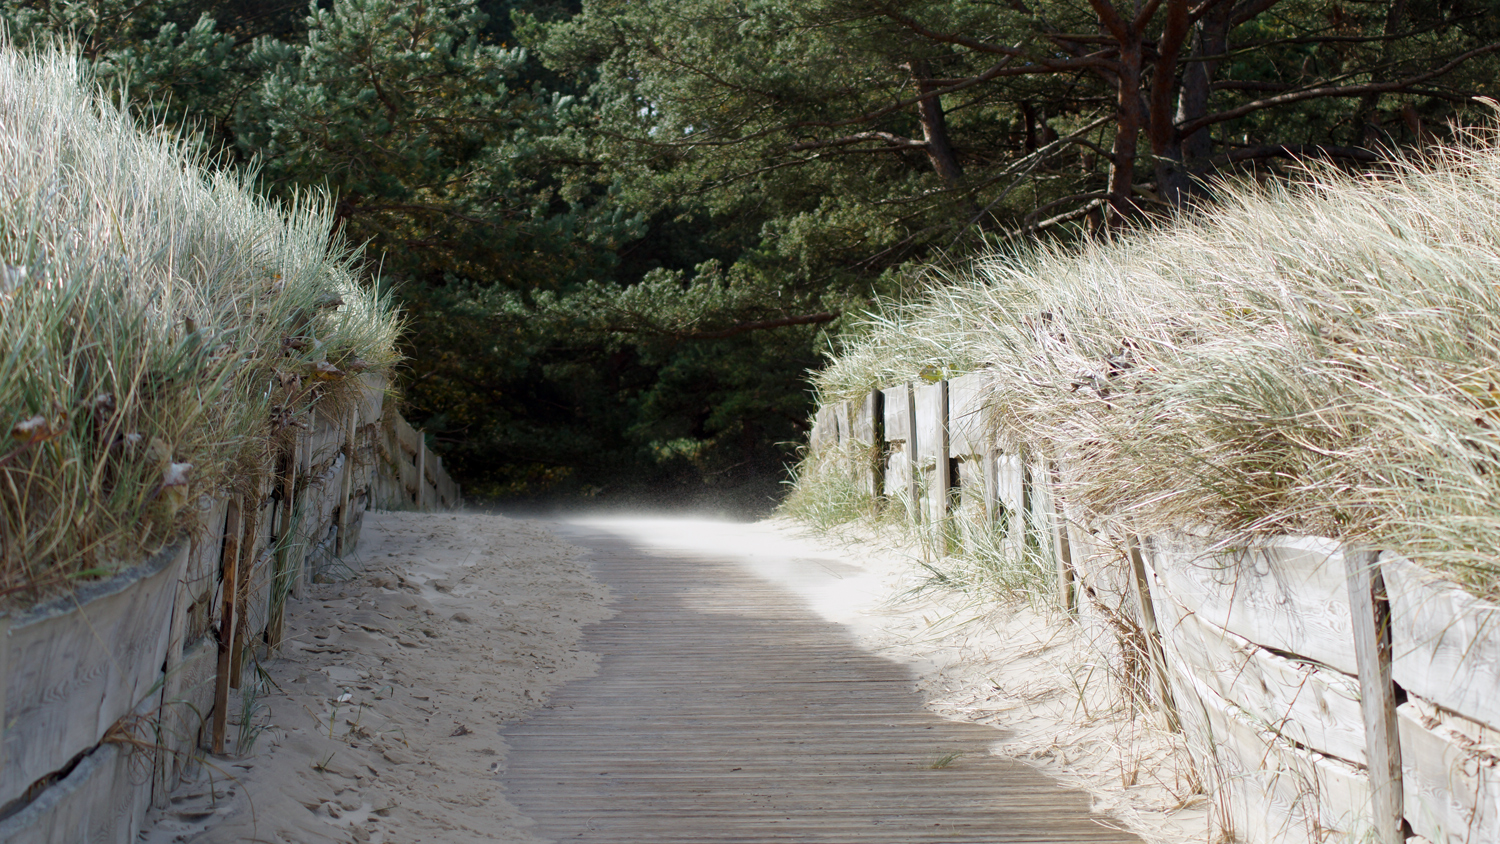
187, 699
163, 770
843, 421
824, 430
100, 801
4, 682
897, 413
1445, 643
283, 576
254, 583
80, 663
421, 491
202, 575
932, 447
1049, 528
731, 714
407, 438
1287, 594
969, 430
1266, 790
346, 489
1450, 775
370, 404
325, 441
1311, 706
228, 620
1141, 584
1370, 617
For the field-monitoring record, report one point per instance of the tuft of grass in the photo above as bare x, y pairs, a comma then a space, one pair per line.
945, 760
825, 489
161, 326
1316, 357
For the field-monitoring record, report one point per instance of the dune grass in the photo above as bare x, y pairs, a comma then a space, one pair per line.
1317, 357
160, 324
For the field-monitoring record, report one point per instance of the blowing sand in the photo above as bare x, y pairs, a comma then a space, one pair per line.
379, 722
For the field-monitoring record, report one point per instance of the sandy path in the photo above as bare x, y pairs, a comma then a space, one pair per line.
382, 719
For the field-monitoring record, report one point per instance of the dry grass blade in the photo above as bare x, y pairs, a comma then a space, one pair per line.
1321, 357
159, 321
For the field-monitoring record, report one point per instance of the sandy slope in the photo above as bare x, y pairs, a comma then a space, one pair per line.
382, 716
381, 720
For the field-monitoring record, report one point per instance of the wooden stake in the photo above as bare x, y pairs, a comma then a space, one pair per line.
1062, 549
875, 407
942, 476
4, 680
280, 589
227, 617
1372, 650
1156, 655
340, 544
913, 466
250, 519
421, 501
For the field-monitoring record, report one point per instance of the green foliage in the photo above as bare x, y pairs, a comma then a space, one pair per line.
625, 230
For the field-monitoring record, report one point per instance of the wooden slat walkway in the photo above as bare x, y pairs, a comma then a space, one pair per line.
723, 711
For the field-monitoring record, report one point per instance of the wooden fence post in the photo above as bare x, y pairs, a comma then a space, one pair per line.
250, 523
281, 570
4, 681
1062, 549
1155, 654
346, 491
1377, 693
942, 476
421, 500
913, 465
227, 622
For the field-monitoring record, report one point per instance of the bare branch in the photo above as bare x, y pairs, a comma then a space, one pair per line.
1335, 91
746, 327
893, 141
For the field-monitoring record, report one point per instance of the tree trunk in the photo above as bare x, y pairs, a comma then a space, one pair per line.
935, 128
1181, 166
1122, 165
1172, 179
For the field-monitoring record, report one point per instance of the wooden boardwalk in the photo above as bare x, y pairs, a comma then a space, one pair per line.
725, 711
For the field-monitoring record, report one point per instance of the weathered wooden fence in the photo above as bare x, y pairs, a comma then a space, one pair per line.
108, 695
1326, 693
412, 476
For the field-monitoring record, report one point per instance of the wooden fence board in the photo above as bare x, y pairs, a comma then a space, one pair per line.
1445, 643
932, 447
99, 802
843, 421
1276, 792
1046, 526
897, 420
202, 574
324, 442
371, 403
1286, 594
79, 664
1450, 773
187, 701
1314, 707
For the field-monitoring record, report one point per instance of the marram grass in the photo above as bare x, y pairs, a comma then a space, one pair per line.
159, 325
1321, 357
